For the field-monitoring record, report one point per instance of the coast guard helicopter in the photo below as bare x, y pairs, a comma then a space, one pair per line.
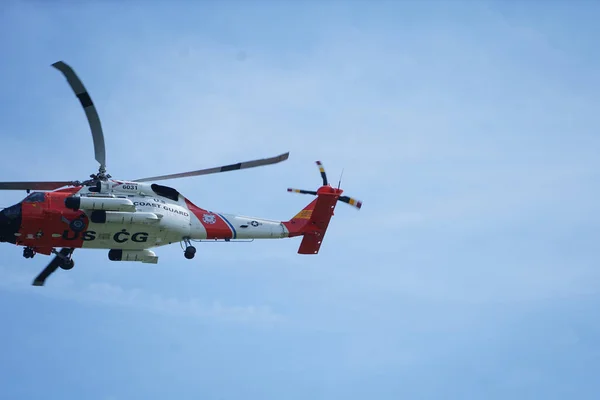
128, 218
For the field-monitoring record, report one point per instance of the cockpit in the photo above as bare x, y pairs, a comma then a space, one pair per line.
35, 197
10, 223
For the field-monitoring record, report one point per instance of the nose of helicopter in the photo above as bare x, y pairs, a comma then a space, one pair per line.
10, 223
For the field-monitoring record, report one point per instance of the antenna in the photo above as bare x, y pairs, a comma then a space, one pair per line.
340, 181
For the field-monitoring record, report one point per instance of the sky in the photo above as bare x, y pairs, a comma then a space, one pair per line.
470, 130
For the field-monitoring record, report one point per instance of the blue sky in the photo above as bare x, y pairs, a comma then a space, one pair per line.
469, 130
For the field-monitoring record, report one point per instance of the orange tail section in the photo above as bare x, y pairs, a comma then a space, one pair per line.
313, 220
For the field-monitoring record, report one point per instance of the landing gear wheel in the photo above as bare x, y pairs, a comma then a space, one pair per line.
67, 264
77, 225
28, 252
189, 252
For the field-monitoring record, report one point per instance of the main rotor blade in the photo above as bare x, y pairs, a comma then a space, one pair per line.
46, 272
89, 108
225, 168
34, 185
51, 267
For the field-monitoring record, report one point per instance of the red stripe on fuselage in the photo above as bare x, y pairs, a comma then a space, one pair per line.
216, 227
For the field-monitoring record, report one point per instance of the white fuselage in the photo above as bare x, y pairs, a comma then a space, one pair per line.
161, 218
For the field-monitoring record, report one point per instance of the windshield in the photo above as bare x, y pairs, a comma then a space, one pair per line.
12, 212
35, 197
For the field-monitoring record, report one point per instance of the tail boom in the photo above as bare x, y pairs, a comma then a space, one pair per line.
311, 223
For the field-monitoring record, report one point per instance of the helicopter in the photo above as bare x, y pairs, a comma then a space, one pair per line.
130, 217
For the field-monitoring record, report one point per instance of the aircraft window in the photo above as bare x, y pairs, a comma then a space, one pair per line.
165, 191
13, 212
35, 197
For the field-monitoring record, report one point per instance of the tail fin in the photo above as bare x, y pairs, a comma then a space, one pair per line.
313, 220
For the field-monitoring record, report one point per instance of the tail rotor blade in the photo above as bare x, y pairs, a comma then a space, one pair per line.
351, 201
323, 174
302, 191
89, 108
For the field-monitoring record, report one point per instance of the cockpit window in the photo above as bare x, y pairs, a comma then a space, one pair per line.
13, 212
35, 197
